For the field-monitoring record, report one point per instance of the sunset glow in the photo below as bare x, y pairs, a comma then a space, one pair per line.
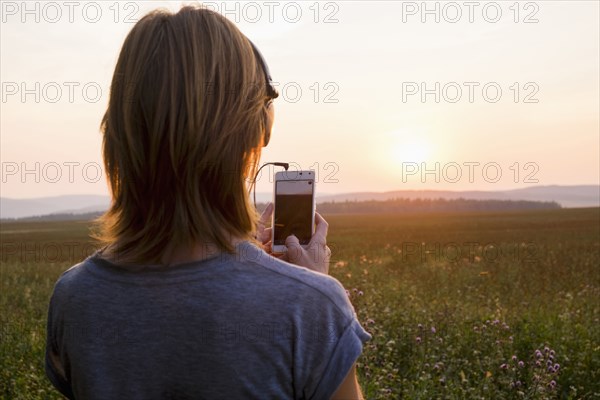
516, 87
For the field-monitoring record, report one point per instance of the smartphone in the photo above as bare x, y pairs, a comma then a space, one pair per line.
294, 208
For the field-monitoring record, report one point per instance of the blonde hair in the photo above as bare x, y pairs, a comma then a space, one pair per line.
183, 130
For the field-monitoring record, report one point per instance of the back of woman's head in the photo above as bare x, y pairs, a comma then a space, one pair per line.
182, 132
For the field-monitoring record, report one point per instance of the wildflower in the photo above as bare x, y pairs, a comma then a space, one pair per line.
556, 367
495, 322
521, 364
355, 290
552, 353
538, 364
418, 339
538, 354
518, 383
433, 329
514, 358
370, 321
550, 370
420, 326
552, 384
360, 293
546, 349
504, 366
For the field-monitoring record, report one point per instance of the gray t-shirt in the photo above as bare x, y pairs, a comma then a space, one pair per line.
234, 326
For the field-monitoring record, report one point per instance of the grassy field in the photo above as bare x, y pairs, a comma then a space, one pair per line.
460, 306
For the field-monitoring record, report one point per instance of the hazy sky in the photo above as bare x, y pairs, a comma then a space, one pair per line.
491, 96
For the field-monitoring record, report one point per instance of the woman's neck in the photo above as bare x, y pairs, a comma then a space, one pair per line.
179, 255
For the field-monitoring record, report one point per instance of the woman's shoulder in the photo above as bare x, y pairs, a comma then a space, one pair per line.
310, 284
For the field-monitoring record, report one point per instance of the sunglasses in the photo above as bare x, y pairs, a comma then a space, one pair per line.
271, 91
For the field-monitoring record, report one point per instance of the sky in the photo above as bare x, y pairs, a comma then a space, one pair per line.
375, 95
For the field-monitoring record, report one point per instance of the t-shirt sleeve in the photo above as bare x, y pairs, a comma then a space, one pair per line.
54, 363
335, 342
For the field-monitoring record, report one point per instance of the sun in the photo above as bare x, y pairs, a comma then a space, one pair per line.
413, 150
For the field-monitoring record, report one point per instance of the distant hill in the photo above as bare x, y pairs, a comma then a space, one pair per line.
403, 205
565, 196
70, 204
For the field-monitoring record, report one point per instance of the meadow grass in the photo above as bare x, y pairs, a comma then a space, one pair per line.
460, 305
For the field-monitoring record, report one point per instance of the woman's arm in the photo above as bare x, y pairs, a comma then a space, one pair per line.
349, 389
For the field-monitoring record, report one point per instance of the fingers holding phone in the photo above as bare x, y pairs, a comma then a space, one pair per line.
316, 254
263, 233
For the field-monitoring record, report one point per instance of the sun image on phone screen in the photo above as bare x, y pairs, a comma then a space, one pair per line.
293, 210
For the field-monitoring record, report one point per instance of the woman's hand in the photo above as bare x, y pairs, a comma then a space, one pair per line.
316, 255
263, 234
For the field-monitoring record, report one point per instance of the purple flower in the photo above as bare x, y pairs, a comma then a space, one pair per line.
552, 384
504, 366
538, 354
418, 339
433, 329
546, 349
360, 293
550, 370
518, 383
556, 367
552, 353
514, 358
420, 326
521, 364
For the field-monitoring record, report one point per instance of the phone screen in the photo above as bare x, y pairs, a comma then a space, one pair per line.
293, 211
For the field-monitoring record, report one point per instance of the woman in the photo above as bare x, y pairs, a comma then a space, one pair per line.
183, 301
